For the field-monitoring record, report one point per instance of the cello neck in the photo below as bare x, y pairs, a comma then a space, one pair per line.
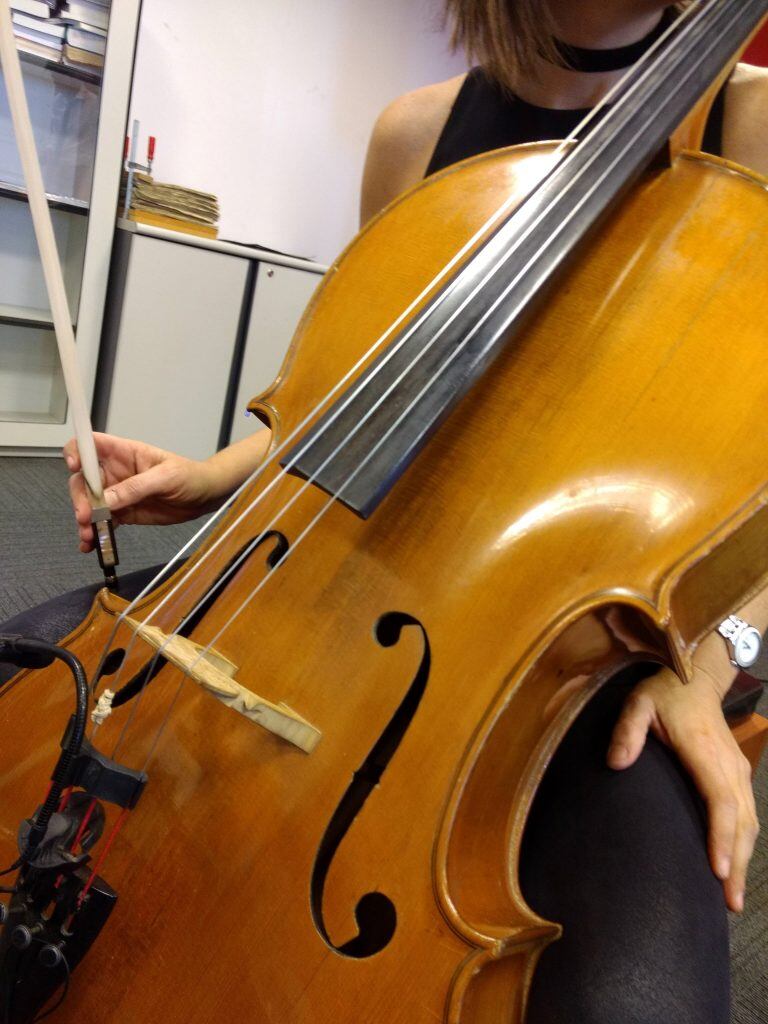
359, 449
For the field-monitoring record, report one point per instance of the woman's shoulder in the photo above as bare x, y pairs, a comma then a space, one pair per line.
403, 139
414, 112
745, 133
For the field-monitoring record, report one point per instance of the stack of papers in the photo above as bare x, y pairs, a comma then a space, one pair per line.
173, 206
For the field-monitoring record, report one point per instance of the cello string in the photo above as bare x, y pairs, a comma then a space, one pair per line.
679, 25
561, 149
279, 449
332, 500
429, 384
263, 582
563, 146
503, 259
483, 230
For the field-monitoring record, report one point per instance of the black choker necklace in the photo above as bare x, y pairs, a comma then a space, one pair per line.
579, 58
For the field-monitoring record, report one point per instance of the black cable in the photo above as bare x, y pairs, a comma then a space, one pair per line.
63, 995
7, 1003
27, 652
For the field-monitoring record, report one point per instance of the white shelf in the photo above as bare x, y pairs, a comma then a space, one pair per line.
66, 203
249, 252
31, 382
30, 417
23, 316
79, 119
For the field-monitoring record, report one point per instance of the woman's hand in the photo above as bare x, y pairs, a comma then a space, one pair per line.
142, 484
689, 719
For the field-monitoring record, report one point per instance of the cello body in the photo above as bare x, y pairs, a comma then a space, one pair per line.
598, 499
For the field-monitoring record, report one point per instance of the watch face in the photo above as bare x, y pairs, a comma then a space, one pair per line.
747, 647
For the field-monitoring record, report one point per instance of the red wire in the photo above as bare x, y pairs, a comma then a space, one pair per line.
83, 825
102, 856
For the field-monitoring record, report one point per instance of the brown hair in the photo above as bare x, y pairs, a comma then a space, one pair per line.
506, 36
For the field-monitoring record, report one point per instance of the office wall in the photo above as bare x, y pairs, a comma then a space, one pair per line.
269, 104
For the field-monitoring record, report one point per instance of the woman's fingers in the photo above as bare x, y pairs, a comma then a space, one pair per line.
72, 456
747, 832
631, 731
721, 774
125, 494
142, 484
119, 460
82, 507
688, 717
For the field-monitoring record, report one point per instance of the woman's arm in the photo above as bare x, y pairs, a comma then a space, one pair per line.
148, 485
745, 127
401, 146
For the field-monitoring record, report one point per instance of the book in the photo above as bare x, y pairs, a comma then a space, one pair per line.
85, 11
39, 50
32, 35
37, 8
86, 40
100, 32
41, 25
76, 57
159, 220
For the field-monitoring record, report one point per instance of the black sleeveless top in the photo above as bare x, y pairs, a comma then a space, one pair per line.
484, 117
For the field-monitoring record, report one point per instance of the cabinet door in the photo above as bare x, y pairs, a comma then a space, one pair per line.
78, 115
180, 313
280, 298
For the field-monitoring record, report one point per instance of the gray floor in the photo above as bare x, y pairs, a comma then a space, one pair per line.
39, 559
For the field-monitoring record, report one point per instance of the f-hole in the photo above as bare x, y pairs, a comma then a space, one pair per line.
112, 662
375, 912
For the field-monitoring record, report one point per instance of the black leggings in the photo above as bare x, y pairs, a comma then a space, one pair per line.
618, 858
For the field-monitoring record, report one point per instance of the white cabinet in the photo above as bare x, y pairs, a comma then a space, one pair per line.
78, 118
179, 308
279, 300
194, 329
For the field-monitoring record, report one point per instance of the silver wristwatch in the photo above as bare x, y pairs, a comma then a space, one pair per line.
744, 641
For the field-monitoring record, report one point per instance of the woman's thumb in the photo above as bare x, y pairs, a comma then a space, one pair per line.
135, 489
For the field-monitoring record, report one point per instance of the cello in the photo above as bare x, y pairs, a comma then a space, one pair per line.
404, 595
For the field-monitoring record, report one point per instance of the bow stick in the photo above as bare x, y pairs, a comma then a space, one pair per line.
54, 282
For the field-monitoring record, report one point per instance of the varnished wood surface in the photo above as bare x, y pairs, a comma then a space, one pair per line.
615, 452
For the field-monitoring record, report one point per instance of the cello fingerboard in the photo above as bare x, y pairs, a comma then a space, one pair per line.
363, 444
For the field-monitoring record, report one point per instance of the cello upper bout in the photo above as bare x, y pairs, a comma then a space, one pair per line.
387, 266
